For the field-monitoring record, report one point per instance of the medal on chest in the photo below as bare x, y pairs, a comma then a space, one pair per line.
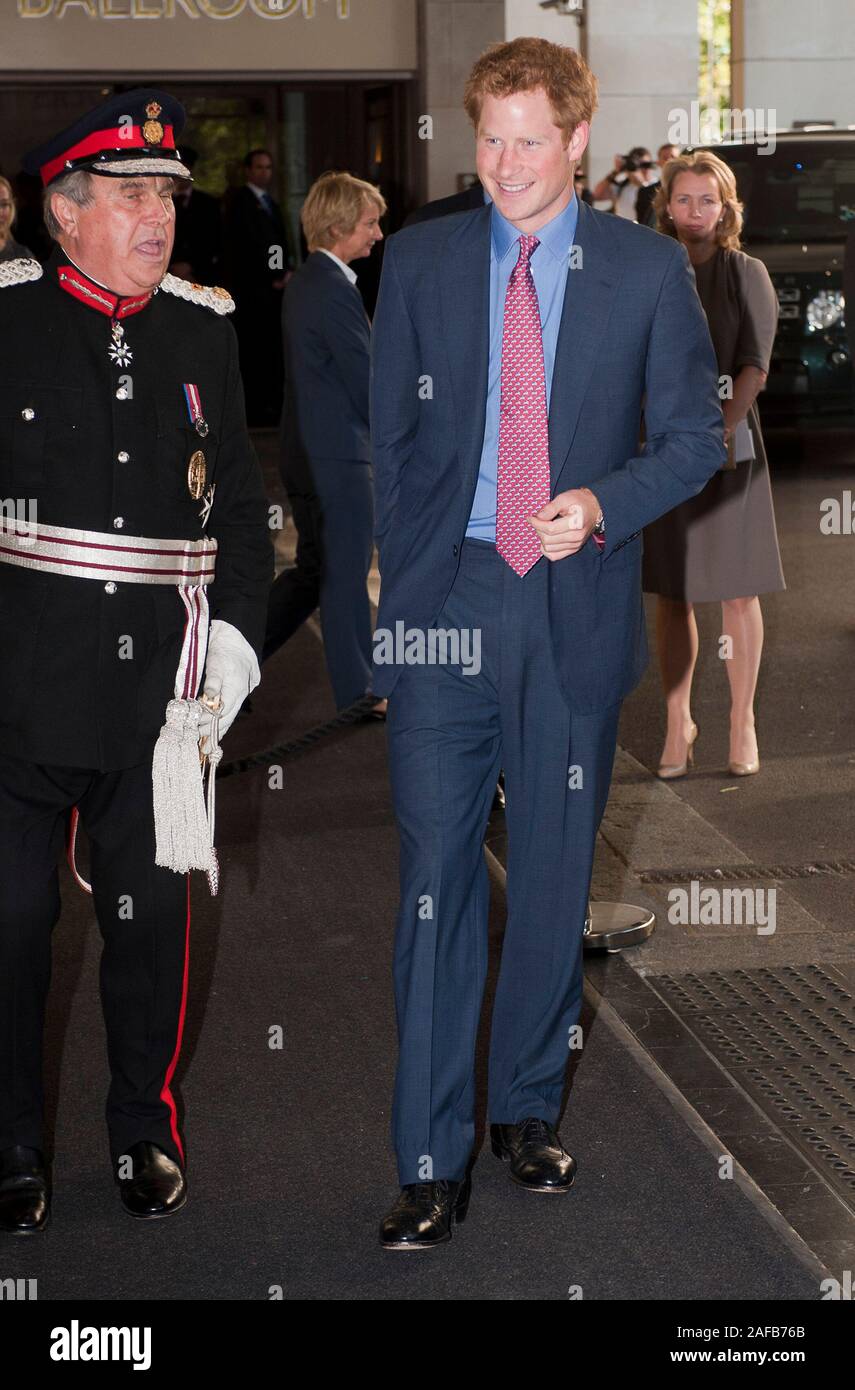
207, 504
197, 468
194, 409
119, 351
196, 474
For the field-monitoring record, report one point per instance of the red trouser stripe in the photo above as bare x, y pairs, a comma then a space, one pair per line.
166, 1095
71, 851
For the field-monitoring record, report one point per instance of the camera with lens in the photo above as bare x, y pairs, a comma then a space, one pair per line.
631, 164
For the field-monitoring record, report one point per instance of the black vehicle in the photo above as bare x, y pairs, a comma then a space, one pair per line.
800, 221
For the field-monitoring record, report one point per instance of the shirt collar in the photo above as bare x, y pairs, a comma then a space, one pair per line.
556, 237
88, 291
351, 274
259, 192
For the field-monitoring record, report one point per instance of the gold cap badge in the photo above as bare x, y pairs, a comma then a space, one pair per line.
153, 130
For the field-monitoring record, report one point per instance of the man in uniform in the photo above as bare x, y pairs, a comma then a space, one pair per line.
133, 510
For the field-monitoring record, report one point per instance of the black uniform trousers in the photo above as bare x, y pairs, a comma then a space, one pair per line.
334, 517
144, 917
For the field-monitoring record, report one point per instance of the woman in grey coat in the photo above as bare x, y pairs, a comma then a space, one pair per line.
722, 545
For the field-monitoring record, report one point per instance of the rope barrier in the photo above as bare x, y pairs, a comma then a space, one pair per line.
296, 747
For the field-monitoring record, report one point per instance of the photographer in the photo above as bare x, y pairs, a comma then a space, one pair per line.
620, 187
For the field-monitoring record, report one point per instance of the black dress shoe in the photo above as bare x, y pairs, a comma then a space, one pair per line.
375, 712
499, 798
157, 1187
537, 1157
24, 1194
423, 1214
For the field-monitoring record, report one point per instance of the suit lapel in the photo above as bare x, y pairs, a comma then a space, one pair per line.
465, 308
589, 299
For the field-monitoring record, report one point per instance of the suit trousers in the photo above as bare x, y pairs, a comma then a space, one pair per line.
144, 918
258, 324
334, 517
450, 731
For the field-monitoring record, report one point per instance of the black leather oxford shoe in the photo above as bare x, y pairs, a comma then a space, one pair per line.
537, 1157
423, 1214
156, 1187
24, 1194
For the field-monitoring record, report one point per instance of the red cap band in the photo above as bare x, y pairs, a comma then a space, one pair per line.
118, 139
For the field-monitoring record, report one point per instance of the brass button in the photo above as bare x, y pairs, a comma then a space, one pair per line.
118, 522
110, 587
28, 414
123, 456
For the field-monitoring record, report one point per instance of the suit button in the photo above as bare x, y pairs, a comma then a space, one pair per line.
110, 587
455, 549
28, 414
121, 394
123, 457
118, 522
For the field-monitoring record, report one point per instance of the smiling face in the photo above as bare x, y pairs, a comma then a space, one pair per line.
123, 237
695, 206
522, 160
363, 238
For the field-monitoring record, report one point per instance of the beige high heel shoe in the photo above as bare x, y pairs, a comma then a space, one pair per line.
668, 771
744, 769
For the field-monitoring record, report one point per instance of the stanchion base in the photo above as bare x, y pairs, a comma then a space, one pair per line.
612, 926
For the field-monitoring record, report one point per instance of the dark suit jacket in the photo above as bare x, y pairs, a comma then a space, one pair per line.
326, 341
472, 197
251, 232
199, 235
632, 326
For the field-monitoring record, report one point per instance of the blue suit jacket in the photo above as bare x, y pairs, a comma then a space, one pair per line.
326, 341
632, 335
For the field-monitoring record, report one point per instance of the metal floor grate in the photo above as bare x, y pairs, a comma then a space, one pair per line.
747, 872
788, 1037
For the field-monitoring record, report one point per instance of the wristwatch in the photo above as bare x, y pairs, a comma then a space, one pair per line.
599, 525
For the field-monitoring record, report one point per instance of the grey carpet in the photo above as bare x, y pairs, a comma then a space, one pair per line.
290, 1164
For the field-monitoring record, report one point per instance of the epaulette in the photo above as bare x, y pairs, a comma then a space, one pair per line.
213, 297
19, 271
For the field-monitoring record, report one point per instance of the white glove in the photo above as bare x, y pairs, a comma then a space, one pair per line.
231, 673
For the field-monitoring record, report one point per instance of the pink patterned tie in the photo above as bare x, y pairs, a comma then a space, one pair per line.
523, 464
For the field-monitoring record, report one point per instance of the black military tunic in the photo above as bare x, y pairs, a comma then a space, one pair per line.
102, 446
100, 442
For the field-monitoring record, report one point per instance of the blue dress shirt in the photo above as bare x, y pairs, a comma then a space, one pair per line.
549, 265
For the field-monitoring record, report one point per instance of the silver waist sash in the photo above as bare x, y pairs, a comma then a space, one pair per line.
105, 555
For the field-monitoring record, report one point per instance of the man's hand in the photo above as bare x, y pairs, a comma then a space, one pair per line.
566, 522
